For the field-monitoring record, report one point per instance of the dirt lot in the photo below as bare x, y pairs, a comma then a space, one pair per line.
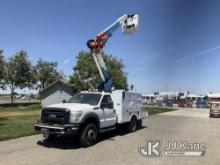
115, 148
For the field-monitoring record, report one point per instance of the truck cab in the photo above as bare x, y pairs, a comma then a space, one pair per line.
88, 113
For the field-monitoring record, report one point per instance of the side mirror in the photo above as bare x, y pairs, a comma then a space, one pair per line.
102, 106
64, 101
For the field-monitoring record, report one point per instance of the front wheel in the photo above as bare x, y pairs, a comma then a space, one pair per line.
88, 135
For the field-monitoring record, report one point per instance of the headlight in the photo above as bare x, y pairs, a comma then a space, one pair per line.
76, 115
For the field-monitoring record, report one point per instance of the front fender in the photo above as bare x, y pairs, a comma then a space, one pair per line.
90, 117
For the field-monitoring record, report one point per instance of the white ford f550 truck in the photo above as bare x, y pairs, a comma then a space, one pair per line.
89, 113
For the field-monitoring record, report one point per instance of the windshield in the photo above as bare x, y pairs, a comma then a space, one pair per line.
86, 98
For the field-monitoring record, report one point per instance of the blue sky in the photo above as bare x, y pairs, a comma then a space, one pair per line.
176, 48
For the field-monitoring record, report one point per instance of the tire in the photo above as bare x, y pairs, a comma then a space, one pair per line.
132, 125
88, 135
139, 124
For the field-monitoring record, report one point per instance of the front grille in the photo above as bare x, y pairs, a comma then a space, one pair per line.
55, 116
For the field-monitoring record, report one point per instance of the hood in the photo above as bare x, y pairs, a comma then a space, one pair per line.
71, 106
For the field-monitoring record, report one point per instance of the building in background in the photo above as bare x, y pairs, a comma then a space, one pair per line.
55, 93
176, 99
194, 98
148, 99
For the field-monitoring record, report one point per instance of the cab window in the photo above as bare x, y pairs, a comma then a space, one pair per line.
107, 102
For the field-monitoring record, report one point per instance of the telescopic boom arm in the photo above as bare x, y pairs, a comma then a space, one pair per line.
129, 24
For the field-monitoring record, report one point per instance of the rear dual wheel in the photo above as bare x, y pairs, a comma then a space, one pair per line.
132, 125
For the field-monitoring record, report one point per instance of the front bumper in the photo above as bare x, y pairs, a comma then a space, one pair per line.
214, 113
57, 128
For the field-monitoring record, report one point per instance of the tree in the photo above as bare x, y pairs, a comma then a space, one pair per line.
86, 75
18, 72
46, 73
2, 70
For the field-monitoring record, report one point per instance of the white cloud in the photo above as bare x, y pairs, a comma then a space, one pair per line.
203, 52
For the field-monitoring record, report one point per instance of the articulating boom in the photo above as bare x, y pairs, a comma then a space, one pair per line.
129, 24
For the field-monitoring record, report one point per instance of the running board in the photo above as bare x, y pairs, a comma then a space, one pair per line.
107, 129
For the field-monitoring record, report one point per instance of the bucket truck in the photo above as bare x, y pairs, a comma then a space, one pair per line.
87, 113
129, 24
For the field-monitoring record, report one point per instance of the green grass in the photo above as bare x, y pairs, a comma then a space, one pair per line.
18, 121
156, 110
29, 108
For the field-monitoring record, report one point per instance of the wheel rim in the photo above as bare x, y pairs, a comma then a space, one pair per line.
133, 125
91, 136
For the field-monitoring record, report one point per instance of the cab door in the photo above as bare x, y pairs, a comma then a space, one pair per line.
108, 110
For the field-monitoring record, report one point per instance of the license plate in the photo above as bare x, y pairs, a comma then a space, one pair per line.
44, 130
45, 133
